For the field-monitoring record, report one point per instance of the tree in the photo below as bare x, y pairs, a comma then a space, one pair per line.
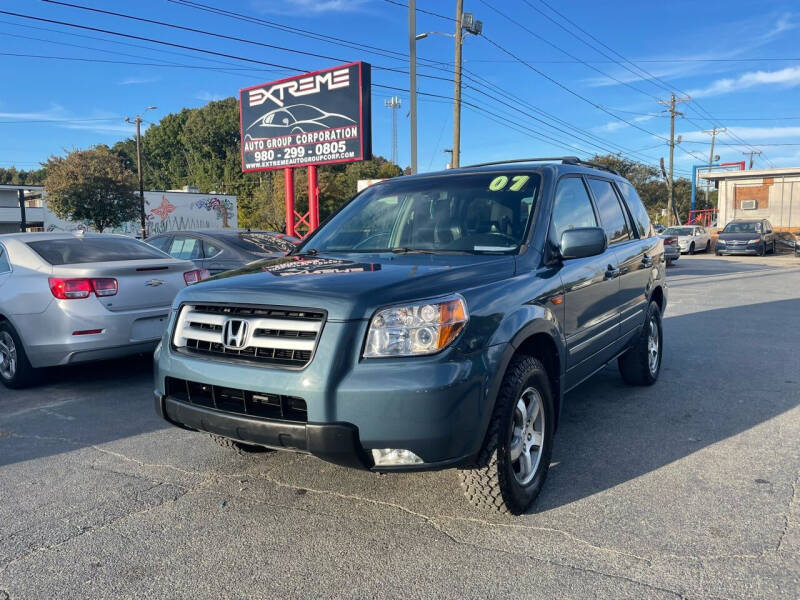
91, 185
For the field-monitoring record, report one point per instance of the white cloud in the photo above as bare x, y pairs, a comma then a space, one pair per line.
751, 134
209, 97
137, 80
306, 7
617, 125
745, 36
788, 77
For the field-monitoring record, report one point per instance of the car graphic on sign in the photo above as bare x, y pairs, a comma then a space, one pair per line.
297, 118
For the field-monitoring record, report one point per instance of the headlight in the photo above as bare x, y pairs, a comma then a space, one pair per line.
416, 329
720, 242
755, 241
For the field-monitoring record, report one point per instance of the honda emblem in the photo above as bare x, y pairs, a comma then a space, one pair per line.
234, 334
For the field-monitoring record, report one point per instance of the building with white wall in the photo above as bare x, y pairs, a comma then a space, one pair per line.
11, 213
772, 194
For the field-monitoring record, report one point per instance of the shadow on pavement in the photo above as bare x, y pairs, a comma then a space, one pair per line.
720, 265
724, 371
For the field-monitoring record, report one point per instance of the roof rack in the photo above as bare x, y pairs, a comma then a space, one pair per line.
566, 160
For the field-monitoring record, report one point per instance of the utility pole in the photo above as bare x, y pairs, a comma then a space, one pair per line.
670, 184
138, 121
393, 103
752, 154
457, 84
713, 133
412, 74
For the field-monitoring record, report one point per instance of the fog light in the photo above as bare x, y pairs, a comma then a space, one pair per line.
385, 457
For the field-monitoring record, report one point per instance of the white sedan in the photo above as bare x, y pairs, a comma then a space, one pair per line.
691, 238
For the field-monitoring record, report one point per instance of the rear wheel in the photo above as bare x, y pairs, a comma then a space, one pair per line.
515, 457
642, 363
15, 369
238, 447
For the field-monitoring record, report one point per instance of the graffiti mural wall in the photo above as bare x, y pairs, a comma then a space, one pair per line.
167, 211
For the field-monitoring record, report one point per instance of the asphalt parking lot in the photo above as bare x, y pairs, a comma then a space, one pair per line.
686, 489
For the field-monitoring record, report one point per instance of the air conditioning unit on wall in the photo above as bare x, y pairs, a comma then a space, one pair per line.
749, 204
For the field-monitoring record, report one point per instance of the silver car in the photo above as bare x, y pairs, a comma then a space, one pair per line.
67, 298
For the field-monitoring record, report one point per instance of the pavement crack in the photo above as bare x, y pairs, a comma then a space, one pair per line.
566, 534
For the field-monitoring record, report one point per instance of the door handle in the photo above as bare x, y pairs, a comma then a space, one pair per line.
612, 272
647, 260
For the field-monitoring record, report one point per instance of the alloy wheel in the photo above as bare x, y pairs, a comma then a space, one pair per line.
653, 346
8, 356
527, 436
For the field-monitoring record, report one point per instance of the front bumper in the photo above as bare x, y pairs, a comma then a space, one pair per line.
739, 249
437, 406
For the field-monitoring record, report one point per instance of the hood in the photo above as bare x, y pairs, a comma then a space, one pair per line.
349, 286
739, 236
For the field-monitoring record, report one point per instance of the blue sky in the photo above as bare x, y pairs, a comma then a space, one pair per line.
740, 63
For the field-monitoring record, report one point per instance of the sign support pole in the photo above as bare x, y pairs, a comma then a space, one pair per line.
313, 197
288, 178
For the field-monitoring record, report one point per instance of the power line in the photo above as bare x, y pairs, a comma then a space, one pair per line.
560, 49
59, 120
422, 10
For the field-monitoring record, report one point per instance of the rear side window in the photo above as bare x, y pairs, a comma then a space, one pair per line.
5, 267
74, 251
210, 250
186, 248
572, 207
611, 215
639, 212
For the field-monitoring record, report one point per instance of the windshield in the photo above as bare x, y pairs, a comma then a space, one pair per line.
678, 231
742, 228
475, 213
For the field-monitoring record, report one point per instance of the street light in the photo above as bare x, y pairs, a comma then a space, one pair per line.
138, 121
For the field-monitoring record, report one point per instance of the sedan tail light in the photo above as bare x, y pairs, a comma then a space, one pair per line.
668, 241
73, 289
196, 275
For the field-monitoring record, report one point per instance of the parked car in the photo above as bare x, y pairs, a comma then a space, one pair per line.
224, 249
436, 321
672, 250
751, 236
691, 238
68, 298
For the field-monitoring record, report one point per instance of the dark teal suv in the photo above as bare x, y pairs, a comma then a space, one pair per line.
435, 321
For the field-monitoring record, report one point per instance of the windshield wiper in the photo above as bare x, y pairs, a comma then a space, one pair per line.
403, 250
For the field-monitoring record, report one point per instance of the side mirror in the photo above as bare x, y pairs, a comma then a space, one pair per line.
582, 242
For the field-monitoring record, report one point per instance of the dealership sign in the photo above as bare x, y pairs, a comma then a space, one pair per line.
313, 119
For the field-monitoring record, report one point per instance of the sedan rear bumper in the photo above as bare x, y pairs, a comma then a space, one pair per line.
71, 331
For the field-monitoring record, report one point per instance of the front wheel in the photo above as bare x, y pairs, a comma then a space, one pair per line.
513, 463
763, 249
641, 364
15, 369
708, 246
691, 248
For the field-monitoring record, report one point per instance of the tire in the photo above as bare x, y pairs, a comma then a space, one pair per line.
497, 482
670, 262
708, 247
238, 447
717, 253
691, 248
15, 369
774, 247
763, 249
636, 365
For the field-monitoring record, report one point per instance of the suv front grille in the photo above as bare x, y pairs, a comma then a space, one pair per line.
243, 402
278, 336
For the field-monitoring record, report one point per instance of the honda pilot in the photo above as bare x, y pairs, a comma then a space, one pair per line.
436, 321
